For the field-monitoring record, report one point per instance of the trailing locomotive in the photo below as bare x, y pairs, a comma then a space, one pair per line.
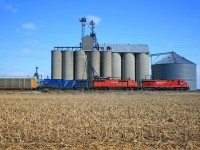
165, 85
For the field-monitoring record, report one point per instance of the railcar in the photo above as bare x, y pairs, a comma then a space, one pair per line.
52, 84
114, 84
165, 85
18, 83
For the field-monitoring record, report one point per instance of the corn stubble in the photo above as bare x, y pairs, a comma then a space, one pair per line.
100, 120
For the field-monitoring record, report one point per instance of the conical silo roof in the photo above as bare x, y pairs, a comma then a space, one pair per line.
174, 59
173, 67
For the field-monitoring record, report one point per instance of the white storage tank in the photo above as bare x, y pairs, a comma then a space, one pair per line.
174, 67
106, 64
142, 66
94, 64
67, 65
116, 65
80, 68
128, 66
56, 64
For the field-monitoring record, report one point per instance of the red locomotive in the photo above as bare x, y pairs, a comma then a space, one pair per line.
165, 85
103, 83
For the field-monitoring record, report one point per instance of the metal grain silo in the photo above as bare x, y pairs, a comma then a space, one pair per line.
128, 66
116, 65
93, 64
67, 65
80, 66
142, 66
106, 64
56, 64
176, 67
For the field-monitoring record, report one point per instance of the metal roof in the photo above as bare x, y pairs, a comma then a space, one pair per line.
134, 48
174, 59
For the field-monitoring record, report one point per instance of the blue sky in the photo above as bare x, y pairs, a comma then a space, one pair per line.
29, 30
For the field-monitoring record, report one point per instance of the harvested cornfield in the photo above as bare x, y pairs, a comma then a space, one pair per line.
99, 120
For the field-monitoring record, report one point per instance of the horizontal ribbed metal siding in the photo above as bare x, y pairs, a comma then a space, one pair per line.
185, 72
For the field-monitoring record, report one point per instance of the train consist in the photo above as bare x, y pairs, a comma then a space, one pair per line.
96, 84
107, 84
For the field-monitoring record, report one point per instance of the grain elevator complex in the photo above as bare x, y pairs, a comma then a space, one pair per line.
116, 61
91, 59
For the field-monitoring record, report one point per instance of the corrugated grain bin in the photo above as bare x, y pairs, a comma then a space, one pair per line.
174, 67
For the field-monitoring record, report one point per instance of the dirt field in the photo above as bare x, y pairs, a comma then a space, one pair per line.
99, 120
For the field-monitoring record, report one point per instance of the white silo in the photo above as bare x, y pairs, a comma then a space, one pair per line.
106, 64
142, 66
128, 66
80, 68
116, 65
56, 64
67, 65
93, 65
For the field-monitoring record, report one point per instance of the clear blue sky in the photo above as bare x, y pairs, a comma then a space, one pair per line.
30, 29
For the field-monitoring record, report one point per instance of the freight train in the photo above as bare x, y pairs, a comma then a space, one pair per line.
99, 83
115, 84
